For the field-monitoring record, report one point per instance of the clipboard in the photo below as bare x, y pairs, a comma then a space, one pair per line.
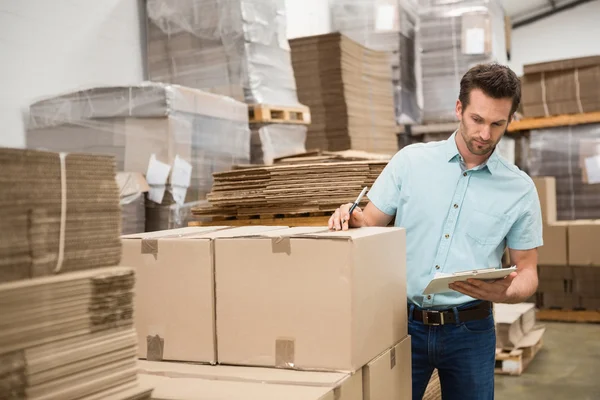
440, 282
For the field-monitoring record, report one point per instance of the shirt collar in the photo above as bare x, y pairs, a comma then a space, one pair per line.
452, 154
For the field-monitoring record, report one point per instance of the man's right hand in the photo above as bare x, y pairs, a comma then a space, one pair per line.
341, 220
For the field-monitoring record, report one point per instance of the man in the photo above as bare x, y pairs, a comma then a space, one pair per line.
461, 204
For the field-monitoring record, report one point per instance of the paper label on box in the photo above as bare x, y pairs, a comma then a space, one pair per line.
181, 174
158, 172
592, 168
475, 41
156, 193
386, 17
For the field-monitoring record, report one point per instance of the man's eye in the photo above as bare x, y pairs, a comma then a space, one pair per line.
476, 119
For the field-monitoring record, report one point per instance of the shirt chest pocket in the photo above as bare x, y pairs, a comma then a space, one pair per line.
486, 229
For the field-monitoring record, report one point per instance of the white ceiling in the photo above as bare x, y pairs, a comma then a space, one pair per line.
520, 10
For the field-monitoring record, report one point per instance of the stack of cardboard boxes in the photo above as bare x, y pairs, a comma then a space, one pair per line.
569, 261
453, 37
273, 311
567, 86
236, 48
66, 310
178, 137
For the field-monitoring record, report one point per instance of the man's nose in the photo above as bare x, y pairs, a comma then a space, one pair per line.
485, 134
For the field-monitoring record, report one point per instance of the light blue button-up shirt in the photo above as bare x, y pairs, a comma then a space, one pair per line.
456, 219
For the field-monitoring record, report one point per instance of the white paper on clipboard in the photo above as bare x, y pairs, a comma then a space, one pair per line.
440, 282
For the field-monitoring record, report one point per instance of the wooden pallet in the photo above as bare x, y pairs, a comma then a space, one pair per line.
305, 219
434, 390
266, 114
561, 315
514, 362
554, 121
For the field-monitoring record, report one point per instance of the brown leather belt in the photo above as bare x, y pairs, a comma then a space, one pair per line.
430, 317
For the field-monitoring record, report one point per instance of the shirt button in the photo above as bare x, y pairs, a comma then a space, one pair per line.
456, 206
429, 297
447, 236
437, 267
464, 174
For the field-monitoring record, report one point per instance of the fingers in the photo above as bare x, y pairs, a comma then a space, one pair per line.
469, 290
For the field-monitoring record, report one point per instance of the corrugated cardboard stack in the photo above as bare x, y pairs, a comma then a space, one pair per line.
70, 335
569, 261
567, 86
347, 87
287, 189
385, 25
176, 136
563, 153
320, 314
453, 37
516, 326
237, 48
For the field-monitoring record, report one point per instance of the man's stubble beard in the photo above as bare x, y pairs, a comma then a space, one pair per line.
472, 146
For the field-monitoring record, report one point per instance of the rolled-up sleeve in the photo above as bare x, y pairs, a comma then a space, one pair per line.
526, 232
385, 192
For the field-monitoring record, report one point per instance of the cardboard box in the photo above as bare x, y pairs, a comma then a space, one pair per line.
555, 248
186, 381
584, 236
546, 188
389, 376
559, 300
590, 303
586, 281
174, 302
308, 298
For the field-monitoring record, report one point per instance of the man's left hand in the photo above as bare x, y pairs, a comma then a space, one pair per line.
497, 292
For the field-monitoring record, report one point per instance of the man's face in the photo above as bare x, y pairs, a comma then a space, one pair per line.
483, 122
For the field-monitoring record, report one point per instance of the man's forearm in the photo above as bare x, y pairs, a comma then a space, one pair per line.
523, 286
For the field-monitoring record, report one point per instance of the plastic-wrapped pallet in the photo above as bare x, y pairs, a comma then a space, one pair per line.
564, 152
385, 25
237, 48
454, 36
276, 140
176, 136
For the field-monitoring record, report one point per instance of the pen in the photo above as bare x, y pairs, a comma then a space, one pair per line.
355, 204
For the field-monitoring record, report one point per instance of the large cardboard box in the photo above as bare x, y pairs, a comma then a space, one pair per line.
559, 300
175, 301
185, 381
555, 249
308, 298
389, 376
546, 188
584, 236
586, 281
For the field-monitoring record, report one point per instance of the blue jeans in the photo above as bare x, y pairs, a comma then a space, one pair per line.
463, 353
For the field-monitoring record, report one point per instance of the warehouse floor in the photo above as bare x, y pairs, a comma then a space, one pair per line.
566, 367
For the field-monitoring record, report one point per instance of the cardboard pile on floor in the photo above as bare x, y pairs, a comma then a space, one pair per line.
569, 261
347, 88
567, 86
66, 313
343, 313
516, 326
453, 37
571, 154
294, 188
176, 136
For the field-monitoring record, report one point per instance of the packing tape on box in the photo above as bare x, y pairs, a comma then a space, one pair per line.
281, 244
155, 346
543, 83
578, 90
150, 246
337, 393
392, 358
284, 353
63, 212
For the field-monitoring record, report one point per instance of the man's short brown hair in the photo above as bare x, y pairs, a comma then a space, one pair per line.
495, 80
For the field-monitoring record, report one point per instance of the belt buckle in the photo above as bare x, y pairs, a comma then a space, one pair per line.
426, 318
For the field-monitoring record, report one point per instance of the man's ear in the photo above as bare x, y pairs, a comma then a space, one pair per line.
459, 110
